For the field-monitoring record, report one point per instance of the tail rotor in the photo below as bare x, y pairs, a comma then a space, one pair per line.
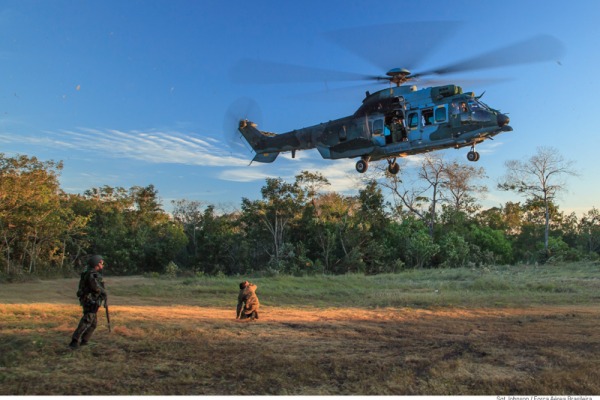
241, 109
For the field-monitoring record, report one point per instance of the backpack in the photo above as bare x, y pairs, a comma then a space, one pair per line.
81, 289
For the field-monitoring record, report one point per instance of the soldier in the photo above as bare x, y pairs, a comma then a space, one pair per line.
91, 293
248, 304
398, 129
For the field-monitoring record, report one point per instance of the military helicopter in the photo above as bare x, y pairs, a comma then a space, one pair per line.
402, 120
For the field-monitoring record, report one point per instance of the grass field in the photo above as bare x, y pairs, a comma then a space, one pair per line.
502, 330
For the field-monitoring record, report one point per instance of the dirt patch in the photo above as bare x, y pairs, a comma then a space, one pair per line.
157, 348
195, 350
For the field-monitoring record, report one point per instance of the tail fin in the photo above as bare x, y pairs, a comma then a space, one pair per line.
258, 140
253, 136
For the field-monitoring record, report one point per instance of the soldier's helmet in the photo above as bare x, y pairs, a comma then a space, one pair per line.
94, 260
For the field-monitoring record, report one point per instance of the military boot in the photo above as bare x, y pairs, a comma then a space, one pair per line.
74, 344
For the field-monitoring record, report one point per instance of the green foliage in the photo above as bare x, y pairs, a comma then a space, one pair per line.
293, 230
413, 244
491, 241
454, 251
559, 251
171, 270
491, 286
32, 221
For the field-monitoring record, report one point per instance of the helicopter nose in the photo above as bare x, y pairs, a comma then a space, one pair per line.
503, 120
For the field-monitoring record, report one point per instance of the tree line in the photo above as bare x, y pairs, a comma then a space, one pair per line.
431, 221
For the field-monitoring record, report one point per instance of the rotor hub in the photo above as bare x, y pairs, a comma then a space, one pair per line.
398, 75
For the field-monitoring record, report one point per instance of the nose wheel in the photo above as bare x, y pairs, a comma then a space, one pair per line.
473, 155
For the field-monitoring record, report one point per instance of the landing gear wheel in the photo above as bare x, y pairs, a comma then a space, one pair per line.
472, 156
362, 166
394, 168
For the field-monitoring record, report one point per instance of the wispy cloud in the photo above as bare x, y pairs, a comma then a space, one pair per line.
150, 146
171, 147
490, 147
341, 174
248, 174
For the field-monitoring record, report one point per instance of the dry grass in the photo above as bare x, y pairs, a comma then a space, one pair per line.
187, 349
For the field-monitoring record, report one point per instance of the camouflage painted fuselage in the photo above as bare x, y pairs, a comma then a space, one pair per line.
433, 118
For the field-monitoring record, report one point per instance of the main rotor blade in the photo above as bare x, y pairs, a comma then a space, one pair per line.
403, 44
537, 49
464, 82
269, 72
355, 93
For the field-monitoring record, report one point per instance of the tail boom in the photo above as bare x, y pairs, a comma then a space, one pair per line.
268, 145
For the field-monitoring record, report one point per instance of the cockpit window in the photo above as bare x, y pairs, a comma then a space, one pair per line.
477, 105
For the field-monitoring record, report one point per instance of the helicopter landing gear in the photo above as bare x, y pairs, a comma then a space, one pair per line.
362, 165
393, 167
473, 155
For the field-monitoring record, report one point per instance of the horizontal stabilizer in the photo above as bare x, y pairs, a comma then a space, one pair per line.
265, 157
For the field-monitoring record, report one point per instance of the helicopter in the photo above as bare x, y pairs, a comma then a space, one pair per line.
402, 120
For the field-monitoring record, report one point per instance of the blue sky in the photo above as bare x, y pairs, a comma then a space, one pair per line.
136, 92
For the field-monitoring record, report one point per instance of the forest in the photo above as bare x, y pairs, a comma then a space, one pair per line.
295, 228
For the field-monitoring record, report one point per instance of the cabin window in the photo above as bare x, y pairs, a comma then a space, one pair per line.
377, 127
427, 116
413, 120
440, 114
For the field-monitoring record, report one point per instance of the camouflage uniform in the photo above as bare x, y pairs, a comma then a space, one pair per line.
248, 303
91, 294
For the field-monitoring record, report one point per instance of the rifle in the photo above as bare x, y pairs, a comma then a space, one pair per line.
107, 314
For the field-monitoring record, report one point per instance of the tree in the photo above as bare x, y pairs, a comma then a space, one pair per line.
416, 245
408, 199
459, 185
432, 171
30, 218
326, 228
484, 241
315, 235
541, 178
311, 183
129, 228
108, 231
281, 203
373, 222
589, 227
337, 233
189, 214
74, 237
420, 199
